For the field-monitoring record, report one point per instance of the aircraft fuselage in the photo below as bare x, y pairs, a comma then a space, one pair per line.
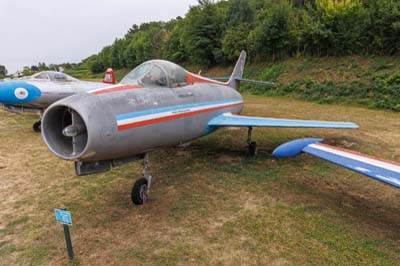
118, 124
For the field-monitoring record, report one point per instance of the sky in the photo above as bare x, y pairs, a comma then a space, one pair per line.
58, 31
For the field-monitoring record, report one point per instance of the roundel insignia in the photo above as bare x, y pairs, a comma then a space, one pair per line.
21, 93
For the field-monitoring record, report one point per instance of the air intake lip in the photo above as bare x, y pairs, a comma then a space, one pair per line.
65, 132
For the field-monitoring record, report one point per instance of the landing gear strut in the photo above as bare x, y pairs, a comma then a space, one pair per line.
37, 126
252, 145
141, 188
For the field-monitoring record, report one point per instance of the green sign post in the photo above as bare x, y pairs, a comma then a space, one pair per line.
64, 217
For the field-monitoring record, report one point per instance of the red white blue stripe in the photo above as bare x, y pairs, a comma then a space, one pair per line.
152, 116
382, 170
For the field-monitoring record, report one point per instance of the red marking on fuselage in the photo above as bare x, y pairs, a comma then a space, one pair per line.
358, 154
173, 117
114, 89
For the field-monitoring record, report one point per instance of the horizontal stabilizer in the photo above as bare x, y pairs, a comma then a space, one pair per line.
230, 120
220, 78
385, 171
253, 81
269, 83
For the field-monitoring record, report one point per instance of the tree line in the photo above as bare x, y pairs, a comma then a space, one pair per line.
214, 32
3, 71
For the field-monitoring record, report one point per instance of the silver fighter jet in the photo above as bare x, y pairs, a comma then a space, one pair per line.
156, 105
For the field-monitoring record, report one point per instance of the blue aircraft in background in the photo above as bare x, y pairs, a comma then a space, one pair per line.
35, 93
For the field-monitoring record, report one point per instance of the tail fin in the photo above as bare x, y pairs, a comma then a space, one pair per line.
234, 81
109, 77
237, 75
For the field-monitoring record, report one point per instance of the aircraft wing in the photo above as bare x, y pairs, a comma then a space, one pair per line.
384, 171
230, 120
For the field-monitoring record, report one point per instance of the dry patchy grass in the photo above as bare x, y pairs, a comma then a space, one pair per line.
210, 205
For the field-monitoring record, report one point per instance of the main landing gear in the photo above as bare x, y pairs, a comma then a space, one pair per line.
141, 188
37, 126
251, 145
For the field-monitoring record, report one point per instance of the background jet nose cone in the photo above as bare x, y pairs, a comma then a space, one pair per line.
18, 92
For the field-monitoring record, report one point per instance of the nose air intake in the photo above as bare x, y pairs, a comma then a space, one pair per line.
65, 132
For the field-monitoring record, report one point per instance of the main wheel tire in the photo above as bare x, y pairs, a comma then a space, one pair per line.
252, 149
139, 191
37, 126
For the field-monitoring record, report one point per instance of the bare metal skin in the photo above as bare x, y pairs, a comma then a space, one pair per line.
158, 104
104, 140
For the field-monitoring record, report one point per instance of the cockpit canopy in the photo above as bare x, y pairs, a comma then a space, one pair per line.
157, 73
52, 76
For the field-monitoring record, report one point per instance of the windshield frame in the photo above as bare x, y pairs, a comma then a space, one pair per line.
171, 76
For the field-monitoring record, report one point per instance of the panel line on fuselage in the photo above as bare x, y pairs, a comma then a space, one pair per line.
152, 116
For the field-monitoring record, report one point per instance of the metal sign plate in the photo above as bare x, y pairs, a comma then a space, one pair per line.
63, 217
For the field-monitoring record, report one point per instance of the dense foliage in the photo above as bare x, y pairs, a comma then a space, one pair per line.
214, 32
371, 81
3, 71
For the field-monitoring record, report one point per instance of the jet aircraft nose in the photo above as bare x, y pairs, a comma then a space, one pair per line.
18, 92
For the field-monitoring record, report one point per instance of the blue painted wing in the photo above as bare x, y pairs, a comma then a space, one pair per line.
230, 120
381, 170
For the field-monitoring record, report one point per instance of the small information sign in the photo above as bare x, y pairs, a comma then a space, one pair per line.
63, 217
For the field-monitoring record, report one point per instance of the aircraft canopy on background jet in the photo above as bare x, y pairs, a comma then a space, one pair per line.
50, 76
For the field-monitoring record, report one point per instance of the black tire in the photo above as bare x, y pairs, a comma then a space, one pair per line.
252, 149
139, 191
37, 126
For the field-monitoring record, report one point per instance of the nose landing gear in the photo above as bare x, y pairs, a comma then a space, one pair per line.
141, 188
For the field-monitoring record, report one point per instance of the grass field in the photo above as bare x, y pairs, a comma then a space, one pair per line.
210, 204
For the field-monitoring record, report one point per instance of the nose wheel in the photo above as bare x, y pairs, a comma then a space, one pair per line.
141, 188
140, 191
37, 126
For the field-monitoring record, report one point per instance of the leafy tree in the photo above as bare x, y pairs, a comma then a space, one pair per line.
214, 32
117, 59
383, 25
174, 48
42, 66
239, 12
315, 35
236, 40
26, 71
202, 34
273, 34
3, 71
145, 44
96, 66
